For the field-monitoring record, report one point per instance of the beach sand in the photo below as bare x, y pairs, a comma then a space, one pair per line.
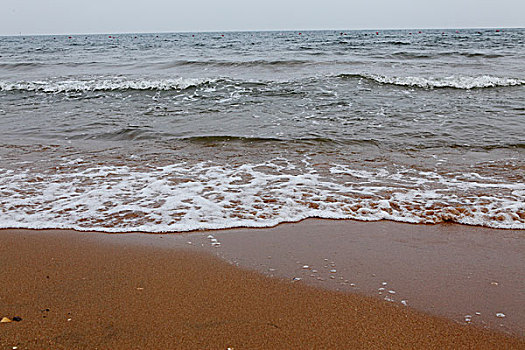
446, 270
89, 290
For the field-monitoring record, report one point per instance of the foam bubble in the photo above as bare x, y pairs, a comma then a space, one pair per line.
104, 84
184, 197
457, 82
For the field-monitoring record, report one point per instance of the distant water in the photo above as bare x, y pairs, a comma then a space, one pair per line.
176, 132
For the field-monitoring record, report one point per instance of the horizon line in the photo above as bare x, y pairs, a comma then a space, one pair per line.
258, 31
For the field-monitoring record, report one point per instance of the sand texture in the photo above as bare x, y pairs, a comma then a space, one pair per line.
76, 291
449, 270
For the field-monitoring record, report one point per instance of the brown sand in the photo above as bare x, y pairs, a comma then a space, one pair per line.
74, 290
446, 270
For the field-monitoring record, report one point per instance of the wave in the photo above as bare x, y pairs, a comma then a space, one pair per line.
25, 66
437, 55
103, 85
138, 133
314, 141
246, 139
409, 55
445, 145
252, 63
130, 133
453, 82
479, 54
123, 84
21, 65
400, 43
206, 195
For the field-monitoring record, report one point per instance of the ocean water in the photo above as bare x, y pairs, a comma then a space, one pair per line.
188, 131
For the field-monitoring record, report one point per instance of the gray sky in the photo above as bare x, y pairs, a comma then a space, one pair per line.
118, 16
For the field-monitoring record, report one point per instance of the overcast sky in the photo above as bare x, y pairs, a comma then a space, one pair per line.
121, 16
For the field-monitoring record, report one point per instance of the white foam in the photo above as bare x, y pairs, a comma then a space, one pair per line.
457, 82
184, 197
101, 84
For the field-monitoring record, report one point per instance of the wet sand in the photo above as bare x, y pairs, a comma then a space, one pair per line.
87, 290
446, 270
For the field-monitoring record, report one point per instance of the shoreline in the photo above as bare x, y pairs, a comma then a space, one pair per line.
111, 257
263, 228
447, 270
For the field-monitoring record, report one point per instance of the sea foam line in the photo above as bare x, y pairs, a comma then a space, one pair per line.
118, 83
107, 84
184, 197
456, 82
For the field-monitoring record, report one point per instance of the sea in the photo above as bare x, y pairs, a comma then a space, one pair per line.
174, 132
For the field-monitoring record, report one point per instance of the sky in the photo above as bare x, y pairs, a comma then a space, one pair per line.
133, 16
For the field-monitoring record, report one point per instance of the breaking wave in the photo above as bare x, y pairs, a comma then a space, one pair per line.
454, 82
185, 197
103, 85
123, 84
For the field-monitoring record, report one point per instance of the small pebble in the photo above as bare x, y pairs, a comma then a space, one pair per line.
384, 283
392, 291
404, 302
478, 313
314, 271
306, 267
500, 315
297, 279
333, 271
332, 277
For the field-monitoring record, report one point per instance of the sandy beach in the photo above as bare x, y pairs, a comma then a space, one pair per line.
216, 188
77, 290
468, 274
